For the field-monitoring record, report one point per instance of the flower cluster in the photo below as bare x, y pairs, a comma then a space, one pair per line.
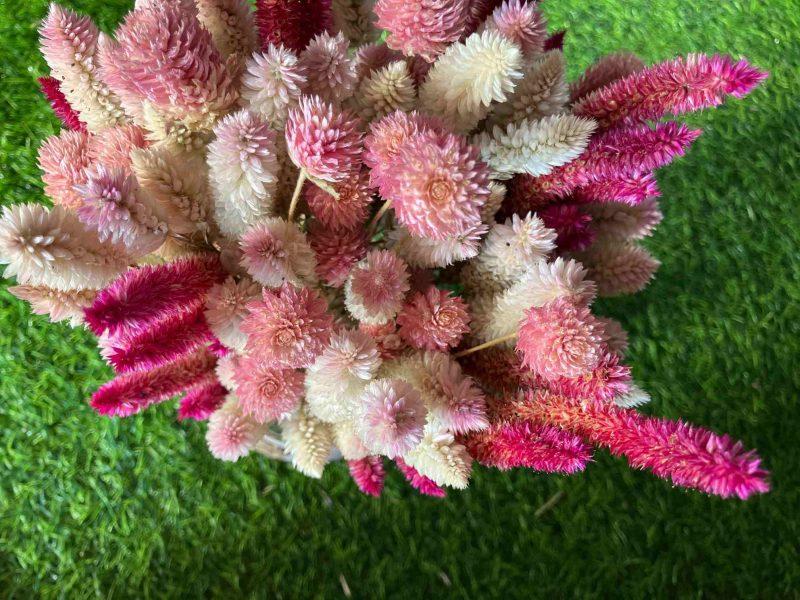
331, 246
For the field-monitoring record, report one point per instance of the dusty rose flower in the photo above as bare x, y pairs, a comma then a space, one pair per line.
433, 320
275, 252
265, 393
336, 252
330, 72
347, 211
391, 417
424, 27
376, 287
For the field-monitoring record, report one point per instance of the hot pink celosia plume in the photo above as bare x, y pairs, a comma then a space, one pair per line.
688, 455
433, 320
51, 88
675, 87
574, 227
632, 190
369, 474
292, 23
150, 293
336, 252
424, 485
199, 402
608, 380
265, 393
422, 27
134, 391
526, 444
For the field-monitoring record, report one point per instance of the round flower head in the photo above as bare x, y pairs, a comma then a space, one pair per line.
391, 417
347, 211
275, 252
422, 27
371, 57
330, 72
266, 394
376, 287
272, 83
560, 339
288, 327
226, 307
520, 22
232, 434
433, 320
323, 141
437, 185
336, 252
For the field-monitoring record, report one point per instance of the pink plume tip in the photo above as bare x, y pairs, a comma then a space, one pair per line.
369, 474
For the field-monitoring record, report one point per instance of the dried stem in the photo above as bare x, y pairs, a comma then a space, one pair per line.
373, 224
301, 178
489, 344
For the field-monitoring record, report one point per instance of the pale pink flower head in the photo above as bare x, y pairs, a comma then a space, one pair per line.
275, 252
560, 339
331, 74
112, 146
64, 160
288, 327
232, 434
433, 320
521, 22
265, 393
391, 417
225, 307
437, 185
423, 27
376, 287
346, 212
336, 252
324, 141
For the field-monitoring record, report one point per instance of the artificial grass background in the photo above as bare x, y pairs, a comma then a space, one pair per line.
137, 507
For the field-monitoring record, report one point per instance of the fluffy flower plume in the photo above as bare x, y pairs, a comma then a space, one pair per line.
288, 327
308, 442
226, 307
64, 159
330, 72
521, 23
386, 90
631, 190
346, 212
266, 394
336, 252
376, 287
439, 457
324, 141
369, 474
425, 28
391, 417
292, 23
113, 146
433, 320
58, 305
272, 83
201, 401
231, 434
243, 169
275, 252
51, 89
608, 381
606, 70
620, 269
424, 485
231, 25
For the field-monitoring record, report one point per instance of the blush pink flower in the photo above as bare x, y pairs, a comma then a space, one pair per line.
369, 474
51, 88
390, 344
423, 27
201, 401
325, 142
288, 327
433, 320
64, 159
265, 393
424, 485
376, 287
336, 252
560, 339
391, 417
231, 434
522, 23
329, 71
346, 212
112, 146
275, 252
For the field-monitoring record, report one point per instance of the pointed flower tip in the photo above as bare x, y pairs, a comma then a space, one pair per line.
744, 79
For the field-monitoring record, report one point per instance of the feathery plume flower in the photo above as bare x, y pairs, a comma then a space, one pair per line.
426, 253
374, 56
336, 380
606, 70
635, 396
690, 456
391, 417
560, 339
201, 401
575, 228
231, 24
51, 89
308, 441
231, 434
348, 442
64, 159
441, 459
292, 23
355, 20
272, 83
114, 208
265, 393
324, 142
277, 252
336, 252
522, 23
369, 474
51, 247
69, 45
346, 212
376, 287
424, 485
620, 269
330, 72
243, 171
535, 147
226, 308
433, 320
422, 28
132, 392
386, 90
145, 295
526, 444
608, 380
555, 41
437, 185
469, 77
631, 190
674, 87
617, 222
614, 336
288, 327
58, 305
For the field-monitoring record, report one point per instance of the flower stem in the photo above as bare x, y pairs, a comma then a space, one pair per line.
489, 344
296, 195
373, 224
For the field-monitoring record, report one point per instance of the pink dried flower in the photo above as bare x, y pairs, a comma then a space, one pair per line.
292, 23
57, 304
325, 142
527, 444
288, 327
232, 26
560, 339
608, 380
620, 268
369, 474
112, 146
522, 23
422, 27
51, 88
391, 417
371, 57
424, 485
574, 227
231, 434
674, 87
272, 83
329, 71
346, 212
201, 401
64, 159
265, 393
134, 391
225, 308
631, 190
376, 287
336, 252
426, 253
275, 252
606, 70
433, 320
390, 344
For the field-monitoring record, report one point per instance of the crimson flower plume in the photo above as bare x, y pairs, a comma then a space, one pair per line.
369, 474
51, 88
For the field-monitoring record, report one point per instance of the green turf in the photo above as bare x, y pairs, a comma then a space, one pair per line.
95, 507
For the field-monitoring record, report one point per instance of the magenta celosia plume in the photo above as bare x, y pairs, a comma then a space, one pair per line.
51, 88
573, 226
632, 190
369, 474
202, 400
422, 484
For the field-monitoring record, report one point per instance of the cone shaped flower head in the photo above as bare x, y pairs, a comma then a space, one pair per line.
522, 23
391, 417
433, 320
422, 27
330, 73
376, 287
272, 83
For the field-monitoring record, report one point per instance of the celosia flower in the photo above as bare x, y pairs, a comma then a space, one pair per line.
620, 268
112, 147
330, 72
608, 380
560, 339
272, 83
336, 252
617, 222
555, 41
324, 142
346, 212
376, 287
275, 252
231, 24
201, 401
426, 253
607, 69
58, 305
520, 22
265, 393
51, 89
424, 485
308, 441
422, 27
355, 20
374, 56
292, 22
631, 190
288, 327
441, 459
64, 160
433, 320
575, 228
369, 474
231, 434
386, 90
391, 417
348, 442
226, 308
243, 171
